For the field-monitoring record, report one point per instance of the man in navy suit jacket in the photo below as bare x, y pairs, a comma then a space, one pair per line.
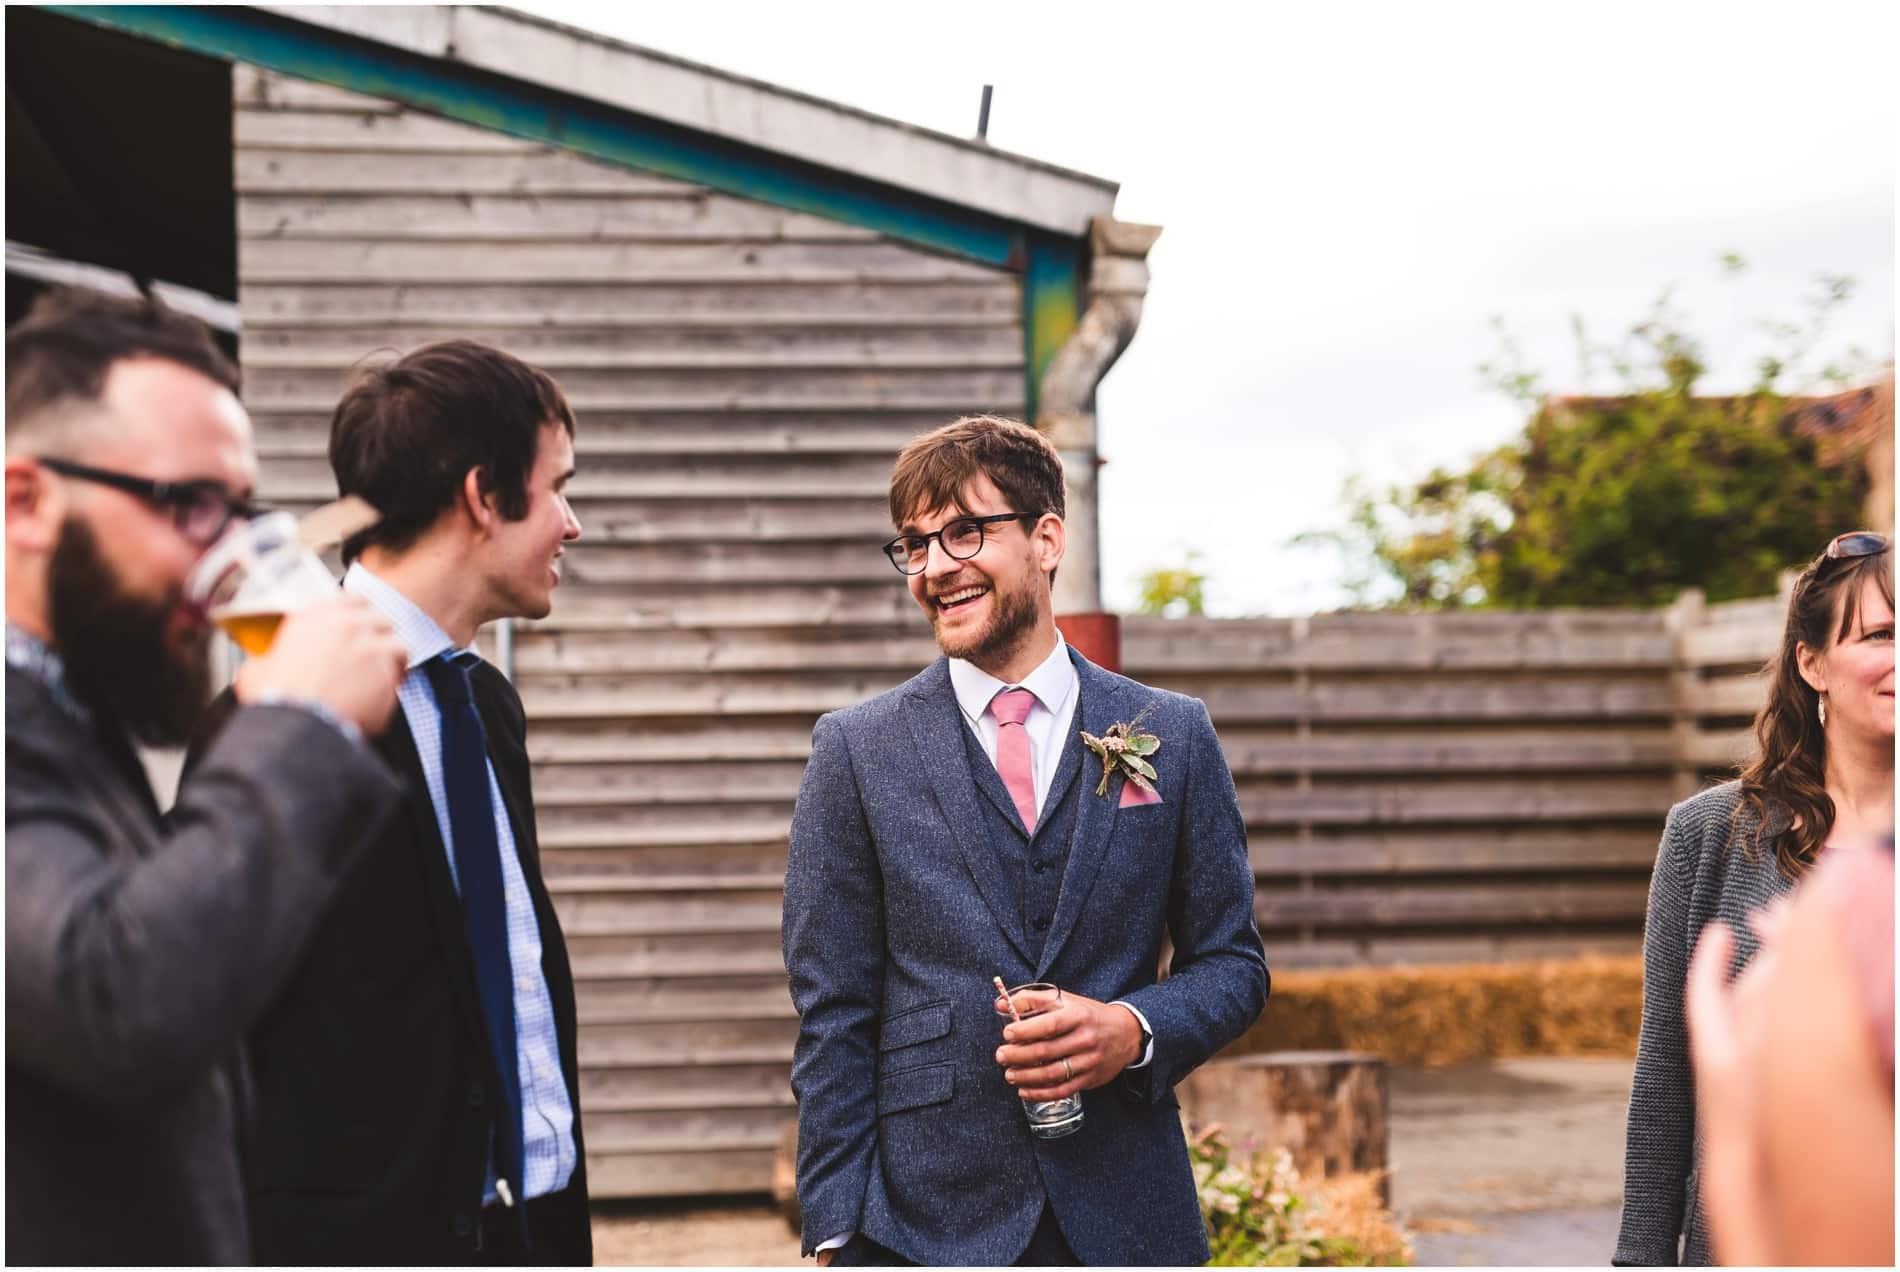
930, 853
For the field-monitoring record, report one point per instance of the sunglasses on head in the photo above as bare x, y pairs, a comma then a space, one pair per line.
1856, 543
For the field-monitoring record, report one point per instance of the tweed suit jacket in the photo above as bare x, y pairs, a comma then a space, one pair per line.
899, 907
139, 952
1702, 876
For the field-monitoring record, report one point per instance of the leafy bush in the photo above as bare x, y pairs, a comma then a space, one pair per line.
1261, 1214
1175, 592
1619, 500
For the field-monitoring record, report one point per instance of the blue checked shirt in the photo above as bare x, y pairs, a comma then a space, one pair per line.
36, 658
547, 1116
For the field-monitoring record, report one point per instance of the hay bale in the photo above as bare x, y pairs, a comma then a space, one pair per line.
1588, 1006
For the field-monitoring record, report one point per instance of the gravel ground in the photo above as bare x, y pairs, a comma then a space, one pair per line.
704, 1233
1534, 1238
1510, 1135
1512, 1162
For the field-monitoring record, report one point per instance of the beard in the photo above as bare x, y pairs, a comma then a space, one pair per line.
1012, 618
118, 660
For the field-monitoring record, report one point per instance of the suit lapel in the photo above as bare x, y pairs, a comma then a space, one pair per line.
504, 753
937, 727
1068, 760
1097, 707
126, 760
508, 753
398, 747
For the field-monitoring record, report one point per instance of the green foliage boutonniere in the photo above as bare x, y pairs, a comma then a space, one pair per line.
1124, 746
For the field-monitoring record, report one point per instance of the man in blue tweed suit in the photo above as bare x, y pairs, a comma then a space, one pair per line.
951, 830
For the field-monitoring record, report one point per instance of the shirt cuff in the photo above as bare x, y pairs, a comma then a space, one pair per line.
835, 1242
347, 728
1148, 1053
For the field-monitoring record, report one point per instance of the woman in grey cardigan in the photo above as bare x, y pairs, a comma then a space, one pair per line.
1825, 769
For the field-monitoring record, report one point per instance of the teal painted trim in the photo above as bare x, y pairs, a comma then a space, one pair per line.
497, 102
1052, 303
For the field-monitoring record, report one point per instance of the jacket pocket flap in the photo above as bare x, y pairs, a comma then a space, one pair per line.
919, 1024
914, 1088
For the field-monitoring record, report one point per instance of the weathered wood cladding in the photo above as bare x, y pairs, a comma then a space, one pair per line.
743, 374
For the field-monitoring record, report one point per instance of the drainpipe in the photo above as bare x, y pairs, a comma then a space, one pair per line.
505, 647
1117, 281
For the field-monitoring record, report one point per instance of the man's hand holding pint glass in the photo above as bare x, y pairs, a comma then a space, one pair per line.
308, 640
338, 653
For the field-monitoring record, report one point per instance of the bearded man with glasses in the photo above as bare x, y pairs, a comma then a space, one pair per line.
141, 947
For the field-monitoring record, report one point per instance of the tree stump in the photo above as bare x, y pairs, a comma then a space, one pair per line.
785, 1176
1326, 1108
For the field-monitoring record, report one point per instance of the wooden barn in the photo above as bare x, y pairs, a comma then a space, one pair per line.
753, 299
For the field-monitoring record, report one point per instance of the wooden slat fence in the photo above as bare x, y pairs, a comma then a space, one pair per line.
1719, 682
1436, 788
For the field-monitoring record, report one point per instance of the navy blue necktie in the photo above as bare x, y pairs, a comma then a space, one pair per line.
484, 911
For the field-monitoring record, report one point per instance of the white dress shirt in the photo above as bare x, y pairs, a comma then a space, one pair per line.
1055, 687
547, 1116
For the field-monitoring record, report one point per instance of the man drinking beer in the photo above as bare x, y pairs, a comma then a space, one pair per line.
140, 950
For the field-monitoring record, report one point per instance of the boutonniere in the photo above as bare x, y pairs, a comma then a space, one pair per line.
1125, 747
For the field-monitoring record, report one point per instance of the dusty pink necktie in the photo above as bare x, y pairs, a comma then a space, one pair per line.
1011, 707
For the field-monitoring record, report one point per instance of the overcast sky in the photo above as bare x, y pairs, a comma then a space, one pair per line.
1350, 191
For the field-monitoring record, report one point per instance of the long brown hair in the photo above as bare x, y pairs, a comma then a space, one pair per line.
1788, 775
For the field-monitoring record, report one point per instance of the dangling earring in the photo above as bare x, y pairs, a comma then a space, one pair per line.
1822, 708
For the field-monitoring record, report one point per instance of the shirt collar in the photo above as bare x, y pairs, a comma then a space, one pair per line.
1053, 682
36, 658
421, 635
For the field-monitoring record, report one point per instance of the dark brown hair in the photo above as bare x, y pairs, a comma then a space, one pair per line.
1789, 775
407, 432
64, 347
933, 470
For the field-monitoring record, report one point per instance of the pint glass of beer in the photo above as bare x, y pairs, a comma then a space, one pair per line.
255, 575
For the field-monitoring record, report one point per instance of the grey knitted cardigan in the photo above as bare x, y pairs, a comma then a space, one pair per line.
1701, 874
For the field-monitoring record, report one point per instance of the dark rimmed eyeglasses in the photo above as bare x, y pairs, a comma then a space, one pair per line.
1856, 543
961, 540
200, 510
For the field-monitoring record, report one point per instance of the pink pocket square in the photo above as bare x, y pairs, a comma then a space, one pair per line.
1134, 796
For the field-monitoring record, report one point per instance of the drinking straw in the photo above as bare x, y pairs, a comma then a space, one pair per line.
1007, 1000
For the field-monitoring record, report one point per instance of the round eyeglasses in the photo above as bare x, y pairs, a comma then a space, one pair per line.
961, 540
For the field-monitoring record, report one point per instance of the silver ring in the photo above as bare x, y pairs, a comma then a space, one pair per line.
1068, 1074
